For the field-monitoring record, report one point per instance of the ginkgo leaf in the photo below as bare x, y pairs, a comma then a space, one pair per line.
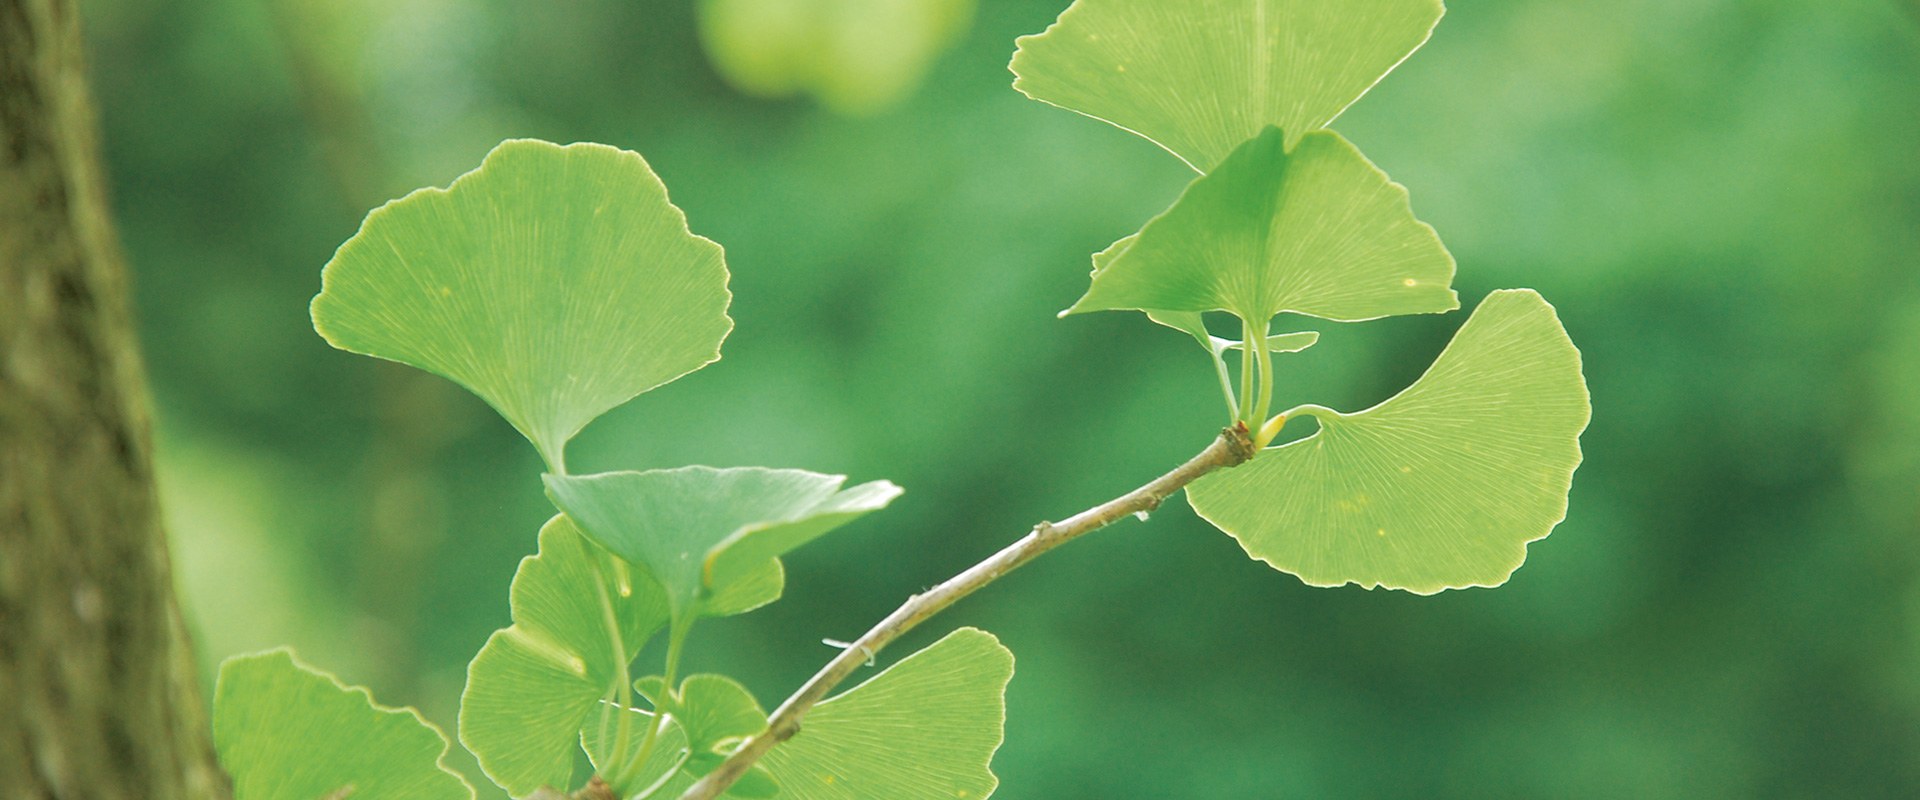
1193, 324
287, 731
924, 729
1443, 485
699, 529
1202, 76
533, 684
663, 767
710, 708
1319, 231
675, 762
554, 282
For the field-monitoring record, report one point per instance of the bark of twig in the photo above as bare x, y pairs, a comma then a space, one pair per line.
1234, 447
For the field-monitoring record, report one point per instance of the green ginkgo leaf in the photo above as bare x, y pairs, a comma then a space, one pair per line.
580, 615
676, 761
924, 729
699, 530
716, 714
1318, 231
534, 683
709, 708
1191, 322
287, 731
663, 771
554, 282
1202, 76
1440, 487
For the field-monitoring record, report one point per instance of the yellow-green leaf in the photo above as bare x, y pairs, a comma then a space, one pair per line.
1199, 77
287, 731
532, 685
554, 282
1318, 231
699, 530
924, 729
1441, 486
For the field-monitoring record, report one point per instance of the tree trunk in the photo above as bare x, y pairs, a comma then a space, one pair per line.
98, 691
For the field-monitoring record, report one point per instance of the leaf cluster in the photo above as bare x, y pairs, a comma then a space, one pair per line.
558, 282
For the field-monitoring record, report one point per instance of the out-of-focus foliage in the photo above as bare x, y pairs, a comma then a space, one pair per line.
1720, 196
855, 56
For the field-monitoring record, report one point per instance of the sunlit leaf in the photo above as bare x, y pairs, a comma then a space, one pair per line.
1193, 324
924, 729
1441, 486
1319, 231
287, 731
533, 684
699, 529
1201, 76
555, 282
755, 588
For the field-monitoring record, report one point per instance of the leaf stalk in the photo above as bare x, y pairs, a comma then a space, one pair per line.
1233, 447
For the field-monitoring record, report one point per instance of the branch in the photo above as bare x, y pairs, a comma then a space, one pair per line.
1234, 447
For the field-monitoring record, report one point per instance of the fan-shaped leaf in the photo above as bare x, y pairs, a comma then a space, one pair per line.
1202, 76
1319, 231
924, 729
533, 684
688, 760
1441, 486
555, 282
287, 731
699, 530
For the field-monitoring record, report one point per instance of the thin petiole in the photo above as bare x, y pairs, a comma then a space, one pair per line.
1266, 375
1246, 374
1226, 385
664, 776
676, 636
621, 689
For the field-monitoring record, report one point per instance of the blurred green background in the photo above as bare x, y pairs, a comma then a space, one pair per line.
1721, 196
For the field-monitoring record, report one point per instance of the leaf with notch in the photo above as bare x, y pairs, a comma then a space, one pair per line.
1191, 322
699, 530
1201, 76
925, 728
1441, 486
669, 754
554, 282
1319, 231
714, 714
287, 731
534, 683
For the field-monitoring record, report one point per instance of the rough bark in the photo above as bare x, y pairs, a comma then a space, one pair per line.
98, 693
